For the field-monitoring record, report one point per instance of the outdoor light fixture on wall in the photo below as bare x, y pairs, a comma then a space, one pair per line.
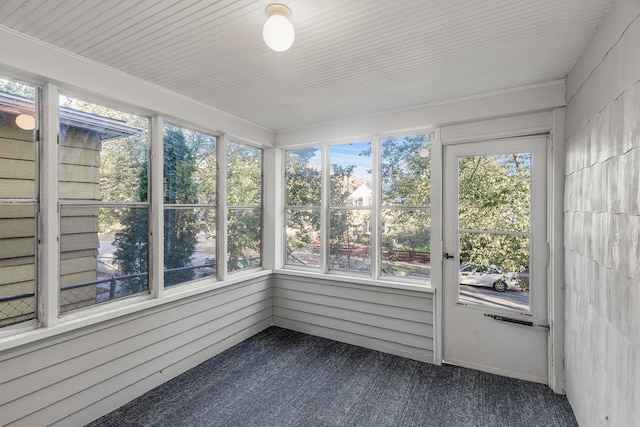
26, 121
278, 32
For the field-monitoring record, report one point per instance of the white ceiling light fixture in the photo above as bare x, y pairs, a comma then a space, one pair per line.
26, 121
278, 32
424, 153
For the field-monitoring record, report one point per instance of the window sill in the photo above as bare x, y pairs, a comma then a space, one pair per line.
76, 320
358, 280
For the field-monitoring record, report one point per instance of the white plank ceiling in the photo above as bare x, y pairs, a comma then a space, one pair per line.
350, 57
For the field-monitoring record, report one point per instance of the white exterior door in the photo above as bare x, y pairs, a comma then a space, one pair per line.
495, 243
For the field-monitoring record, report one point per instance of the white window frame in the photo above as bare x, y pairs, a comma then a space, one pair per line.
227, 208
214, 206
318, 208
376, 208
34, 202
61, 204
49, 320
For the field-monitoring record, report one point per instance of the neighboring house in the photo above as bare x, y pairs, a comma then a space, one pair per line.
361, 196
79, 177
361, 222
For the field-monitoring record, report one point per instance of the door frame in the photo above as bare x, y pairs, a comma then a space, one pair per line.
549, 123
471, 339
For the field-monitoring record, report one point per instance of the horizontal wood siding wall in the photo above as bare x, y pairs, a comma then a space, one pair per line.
395, 321
17, 223
74, 378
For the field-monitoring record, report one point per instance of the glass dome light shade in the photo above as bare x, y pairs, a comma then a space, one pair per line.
278, 32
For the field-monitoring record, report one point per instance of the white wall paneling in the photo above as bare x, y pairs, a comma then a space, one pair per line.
482, 107
395, 321
602, 224
76, 377
504, 127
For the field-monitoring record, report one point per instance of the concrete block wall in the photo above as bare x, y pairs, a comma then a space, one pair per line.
602, 224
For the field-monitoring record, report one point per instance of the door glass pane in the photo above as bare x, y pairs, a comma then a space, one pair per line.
494, 270
494, 201
494, 192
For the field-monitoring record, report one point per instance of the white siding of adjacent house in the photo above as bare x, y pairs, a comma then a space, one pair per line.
17, 223
73, 378
395, 321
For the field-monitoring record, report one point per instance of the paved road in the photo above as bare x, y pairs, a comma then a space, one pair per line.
486, 296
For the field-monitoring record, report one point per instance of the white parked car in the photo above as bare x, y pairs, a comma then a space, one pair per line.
488, 275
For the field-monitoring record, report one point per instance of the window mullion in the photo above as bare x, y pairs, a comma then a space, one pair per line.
222, 212
324, 210
376, 151
156, 242
49, 266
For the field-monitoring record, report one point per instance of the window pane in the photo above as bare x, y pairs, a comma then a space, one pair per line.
104, 254
189, 245
303, 177
350, 174
303, 237
244, 173
406, 243
17, 221
406, 172
494, 192
17, 263
102, 153
350, 240
244, 238
189, 167
494, 270
17, 136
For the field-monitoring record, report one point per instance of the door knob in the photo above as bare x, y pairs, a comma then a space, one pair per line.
447, 256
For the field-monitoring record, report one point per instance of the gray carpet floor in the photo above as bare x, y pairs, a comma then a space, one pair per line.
285, 378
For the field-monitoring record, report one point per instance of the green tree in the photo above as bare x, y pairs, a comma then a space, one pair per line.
304, 181
303, 189
406, 181
132, 253
16, 88
494, 194
339, 220
244, 195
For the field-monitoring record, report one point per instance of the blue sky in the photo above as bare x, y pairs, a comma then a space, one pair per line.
348, 154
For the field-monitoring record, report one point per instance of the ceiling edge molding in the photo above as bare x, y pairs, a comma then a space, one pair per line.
42, 62
503, 103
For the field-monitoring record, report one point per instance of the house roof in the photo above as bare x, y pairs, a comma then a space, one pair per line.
107, 128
